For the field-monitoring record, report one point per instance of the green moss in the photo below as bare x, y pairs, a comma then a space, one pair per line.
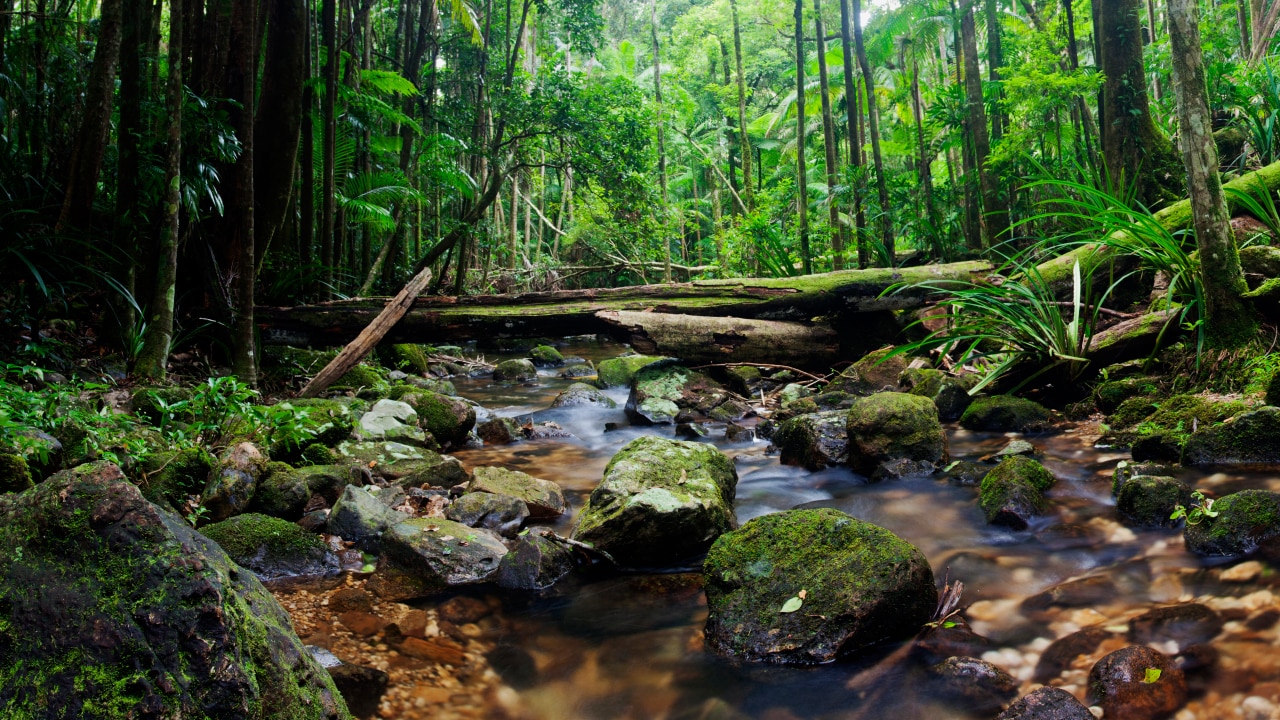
282, 492
1013, 490
1132, 411
1109, 395
407, 357
515, 371
361, 377
546, 356
149, 403
1125, 470
447, 419
1020, 468
317, 454
1149, 501
15, 475
168, 478
620, 370
843, 565
1251, 437
889, 426
244, 536
1005, 413
1244, 521
1181, 414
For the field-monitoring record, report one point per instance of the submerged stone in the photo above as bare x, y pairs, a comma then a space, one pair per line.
1146, 501
1005, 413
1137, 683
815, 440
515, 371
1013, 492
861, 585
1047, 703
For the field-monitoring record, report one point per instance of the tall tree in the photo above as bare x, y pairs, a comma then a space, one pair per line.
995, 217
241, 260
829, 143
91, 140
1134, 150
744, 143
802, 170
329, 119
852, 122
1229, 321
158, 337
278, 124
662, 147
873, 129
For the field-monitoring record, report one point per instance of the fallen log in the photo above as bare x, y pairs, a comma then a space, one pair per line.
573, 312
1058, 271
1134, 339
695, 339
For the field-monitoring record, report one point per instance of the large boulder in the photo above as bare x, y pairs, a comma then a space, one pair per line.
361, 518
874, 373
660, 500
1252, 437
545, 356
15, 474
448, 419
536, 562
272, 548
424, 556
815, 440
499, 513
283, 492
1013, 492
111, 607
619, 371
1005, 413
894, 426
806, 586
391, 420
232, 485
660, 391
1244, 522
545, 499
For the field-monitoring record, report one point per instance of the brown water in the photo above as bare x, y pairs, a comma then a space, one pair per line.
629, 646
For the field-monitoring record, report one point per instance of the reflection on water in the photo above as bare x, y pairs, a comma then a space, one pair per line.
630, 646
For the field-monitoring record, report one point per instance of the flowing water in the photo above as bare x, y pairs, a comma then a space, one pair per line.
613, 646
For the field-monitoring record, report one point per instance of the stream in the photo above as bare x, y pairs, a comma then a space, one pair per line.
609, 645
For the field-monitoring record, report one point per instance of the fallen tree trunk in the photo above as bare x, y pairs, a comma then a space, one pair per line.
1058, 271
1133, 339
573, 312
696, 339
368, 338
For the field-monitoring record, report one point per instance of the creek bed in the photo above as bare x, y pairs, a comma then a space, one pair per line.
610, 645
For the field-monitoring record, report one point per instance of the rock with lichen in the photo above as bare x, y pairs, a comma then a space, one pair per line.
272, 548
894, 426
1006, 413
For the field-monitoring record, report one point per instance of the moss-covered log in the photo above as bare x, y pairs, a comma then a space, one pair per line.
1173, 218
713, 339
559, 313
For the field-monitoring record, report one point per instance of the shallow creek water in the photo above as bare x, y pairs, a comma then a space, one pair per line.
630, 645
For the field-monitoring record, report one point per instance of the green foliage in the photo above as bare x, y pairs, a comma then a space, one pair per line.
1201, 508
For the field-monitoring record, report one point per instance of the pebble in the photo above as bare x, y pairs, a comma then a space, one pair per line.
1244, 572
1258, 708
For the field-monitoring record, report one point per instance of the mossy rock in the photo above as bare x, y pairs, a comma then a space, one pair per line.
149, 402
582, 394
950, 395
362, 377
876, 372
862, 585
316, 454
1251, 437
234, 482
1131, 411
168, 478
660, 500
1108, 396
545, 356
15, 475
1013, 492
327, 422
282, 492
515, 371
113, 608
745, 379
815, 440
894, 426
619, 371
1259, 263
450, 555
545, 499
1127, 469
1005, 413
413, 384
660, 391
1148, 501
1246, 522
795, 408
272, 548
406, 356
448, 419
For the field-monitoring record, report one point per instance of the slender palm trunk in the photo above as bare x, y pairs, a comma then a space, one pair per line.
744, 143
829, 141
851, 119
873, 129
802, 182
662, 148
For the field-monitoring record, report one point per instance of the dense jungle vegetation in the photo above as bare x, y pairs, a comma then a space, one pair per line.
167, 167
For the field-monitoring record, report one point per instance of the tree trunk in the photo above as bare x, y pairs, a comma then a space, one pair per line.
829, 141
852, 123
744, 143
279, 119
158, 337
91, 139
802, 180
662, 148
242, 261
873, 129
328, 113
995, 217
131, 255
1228, 320
433, 319
926, 159
1134, 150
696, 339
